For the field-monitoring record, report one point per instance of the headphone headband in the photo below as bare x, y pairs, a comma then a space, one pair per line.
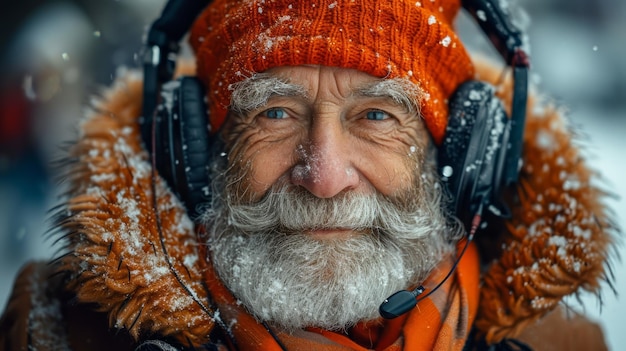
162, 45
507, 40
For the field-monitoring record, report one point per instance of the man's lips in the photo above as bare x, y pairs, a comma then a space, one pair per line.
332, 233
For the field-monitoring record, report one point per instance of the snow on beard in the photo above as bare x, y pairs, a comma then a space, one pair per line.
282, 275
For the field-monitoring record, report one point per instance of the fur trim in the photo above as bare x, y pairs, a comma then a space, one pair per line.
138, 261
558, 239
142, 265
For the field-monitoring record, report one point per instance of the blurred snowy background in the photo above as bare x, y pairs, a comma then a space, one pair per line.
53, 57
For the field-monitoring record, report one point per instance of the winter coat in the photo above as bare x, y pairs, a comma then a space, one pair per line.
124, 279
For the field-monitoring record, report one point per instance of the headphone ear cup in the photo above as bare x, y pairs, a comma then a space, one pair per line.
183, 145
472, 156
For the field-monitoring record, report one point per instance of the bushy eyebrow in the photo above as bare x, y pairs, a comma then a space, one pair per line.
255, 91
401, 91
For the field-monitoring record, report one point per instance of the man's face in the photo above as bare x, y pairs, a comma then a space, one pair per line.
329, 204
336, 130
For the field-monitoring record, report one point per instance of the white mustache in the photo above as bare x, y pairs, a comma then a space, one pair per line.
288, 209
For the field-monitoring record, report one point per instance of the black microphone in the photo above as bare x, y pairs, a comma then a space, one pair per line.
403, 301
400, 303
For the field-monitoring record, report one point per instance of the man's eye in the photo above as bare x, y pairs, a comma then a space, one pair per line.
376, 115
275, 113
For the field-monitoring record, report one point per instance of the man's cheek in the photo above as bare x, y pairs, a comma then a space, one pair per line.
251, 177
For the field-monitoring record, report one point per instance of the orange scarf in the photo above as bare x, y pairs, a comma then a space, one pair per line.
440, 322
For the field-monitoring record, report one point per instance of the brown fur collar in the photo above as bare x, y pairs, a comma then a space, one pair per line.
133, 250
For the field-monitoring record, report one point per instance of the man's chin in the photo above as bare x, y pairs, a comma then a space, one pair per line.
321, 279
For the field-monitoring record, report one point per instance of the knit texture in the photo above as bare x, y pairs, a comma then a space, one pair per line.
415, 40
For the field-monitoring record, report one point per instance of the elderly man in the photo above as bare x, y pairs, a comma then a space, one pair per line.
326, 199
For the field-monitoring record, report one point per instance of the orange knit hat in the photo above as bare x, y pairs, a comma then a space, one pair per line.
233, 39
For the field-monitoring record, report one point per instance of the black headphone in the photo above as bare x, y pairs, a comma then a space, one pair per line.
480, 154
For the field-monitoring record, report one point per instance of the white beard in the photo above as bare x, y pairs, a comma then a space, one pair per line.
286, 277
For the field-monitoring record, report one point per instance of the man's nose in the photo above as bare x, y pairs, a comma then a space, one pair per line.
325, 166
